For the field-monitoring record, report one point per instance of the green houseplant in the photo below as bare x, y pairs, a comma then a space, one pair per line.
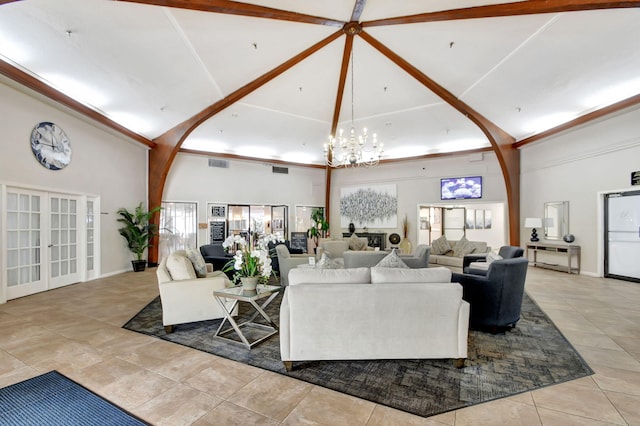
138, 230
321, 226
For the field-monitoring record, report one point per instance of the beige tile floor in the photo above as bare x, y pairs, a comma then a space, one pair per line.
77, 331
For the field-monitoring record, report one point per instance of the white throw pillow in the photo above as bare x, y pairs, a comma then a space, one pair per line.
198, 263
329, 276
180, 268
417, 275
356, 243
440, 246
462, 248
392, 261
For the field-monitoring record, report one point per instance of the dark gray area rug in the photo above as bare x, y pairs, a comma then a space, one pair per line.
53, 399
532, 355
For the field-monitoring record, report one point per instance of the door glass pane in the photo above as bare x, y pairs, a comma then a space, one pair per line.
64, 205
54, 205
12, 239
178, 227
12, 220
55, 269
24, 202
24, 220
72, 206
55, 221
12, 201
12, 258
35, 273
35, 203
35, 220
12, 277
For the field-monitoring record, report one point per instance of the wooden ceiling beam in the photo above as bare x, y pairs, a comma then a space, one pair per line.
168, 144
242, 9
531, 7
33, 83
358, 8
501, 141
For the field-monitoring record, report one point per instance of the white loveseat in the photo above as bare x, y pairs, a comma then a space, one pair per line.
372, 313
452, 258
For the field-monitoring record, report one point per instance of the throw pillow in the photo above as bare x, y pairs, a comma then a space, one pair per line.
491, 256
326, 262
392, 261
440, 246
198, 262
180, 268
462, 248
355, 243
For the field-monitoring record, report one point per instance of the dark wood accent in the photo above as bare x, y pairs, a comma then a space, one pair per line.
530, 7
7, 1
168, 144
357, 10
168, 329
35, 84
327, 194
501, 141
459, 362
288, 365
242, 157
374, 239
583, 119
243, 9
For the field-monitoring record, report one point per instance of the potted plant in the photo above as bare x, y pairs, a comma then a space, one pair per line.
320, 227
138, 231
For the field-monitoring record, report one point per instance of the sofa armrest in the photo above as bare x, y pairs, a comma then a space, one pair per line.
288, 264
469, 258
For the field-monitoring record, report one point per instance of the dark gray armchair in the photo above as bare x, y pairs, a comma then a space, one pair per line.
506, 252
217, 256
495, 299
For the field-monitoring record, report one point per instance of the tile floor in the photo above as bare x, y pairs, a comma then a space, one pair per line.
77, 331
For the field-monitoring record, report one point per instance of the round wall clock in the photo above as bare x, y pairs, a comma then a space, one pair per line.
51, 146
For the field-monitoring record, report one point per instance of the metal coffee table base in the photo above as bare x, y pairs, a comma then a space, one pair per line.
251, 299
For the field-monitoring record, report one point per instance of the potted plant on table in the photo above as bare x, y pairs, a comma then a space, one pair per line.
251, 261
138, 230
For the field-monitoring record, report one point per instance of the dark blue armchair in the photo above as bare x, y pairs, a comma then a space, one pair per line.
506, 252
495, 299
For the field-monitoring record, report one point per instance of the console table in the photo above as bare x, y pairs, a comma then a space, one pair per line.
568, 251
375, 239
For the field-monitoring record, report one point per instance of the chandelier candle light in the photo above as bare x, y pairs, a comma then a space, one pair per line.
352, 150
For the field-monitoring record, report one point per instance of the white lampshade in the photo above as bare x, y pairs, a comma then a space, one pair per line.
533, 222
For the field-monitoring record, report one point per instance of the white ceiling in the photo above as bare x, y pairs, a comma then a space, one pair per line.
150, 68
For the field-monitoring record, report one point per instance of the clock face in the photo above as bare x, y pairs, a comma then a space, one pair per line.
51, 146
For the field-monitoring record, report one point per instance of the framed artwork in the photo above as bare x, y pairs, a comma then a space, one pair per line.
487, 219
373, 206
470, 222
479, 219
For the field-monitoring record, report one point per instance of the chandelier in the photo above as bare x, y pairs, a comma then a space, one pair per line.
352, 150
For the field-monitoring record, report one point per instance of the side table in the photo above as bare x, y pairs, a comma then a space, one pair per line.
239, 295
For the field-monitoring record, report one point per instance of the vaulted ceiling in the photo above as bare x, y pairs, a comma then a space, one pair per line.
273, 78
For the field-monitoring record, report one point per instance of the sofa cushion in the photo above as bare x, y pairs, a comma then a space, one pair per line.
417, 275
392, 260
357, 243
462, 248
180, 267
491, 256
330, 276
440, 246
199, 265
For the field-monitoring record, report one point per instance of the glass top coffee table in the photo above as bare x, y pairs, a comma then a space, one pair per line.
237, 294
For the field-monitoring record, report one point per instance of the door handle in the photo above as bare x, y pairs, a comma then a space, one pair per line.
50, 245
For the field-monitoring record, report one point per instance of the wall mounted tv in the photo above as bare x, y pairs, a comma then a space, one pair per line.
461, 188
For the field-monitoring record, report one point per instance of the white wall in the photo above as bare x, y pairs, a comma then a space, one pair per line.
418, 183
576, 166
102, 164
244, 182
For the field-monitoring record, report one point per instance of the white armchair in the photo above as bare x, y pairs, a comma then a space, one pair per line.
288, 261
185, 297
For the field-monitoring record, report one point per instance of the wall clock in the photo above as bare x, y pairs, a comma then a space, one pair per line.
51, 146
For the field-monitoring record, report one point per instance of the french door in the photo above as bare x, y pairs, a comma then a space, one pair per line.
46, 239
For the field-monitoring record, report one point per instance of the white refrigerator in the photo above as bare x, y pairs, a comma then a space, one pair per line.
623, 235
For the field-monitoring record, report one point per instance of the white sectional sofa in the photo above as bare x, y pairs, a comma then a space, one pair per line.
372, 313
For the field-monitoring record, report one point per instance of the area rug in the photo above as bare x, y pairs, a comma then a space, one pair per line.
532, 355
53, 399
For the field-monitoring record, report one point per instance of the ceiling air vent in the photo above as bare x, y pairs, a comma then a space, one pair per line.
214, 162
281, 170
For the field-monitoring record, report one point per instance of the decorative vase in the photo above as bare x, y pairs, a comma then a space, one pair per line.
352, 228
249, 283
405, 246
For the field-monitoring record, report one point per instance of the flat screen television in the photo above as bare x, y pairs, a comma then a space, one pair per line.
461, 188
